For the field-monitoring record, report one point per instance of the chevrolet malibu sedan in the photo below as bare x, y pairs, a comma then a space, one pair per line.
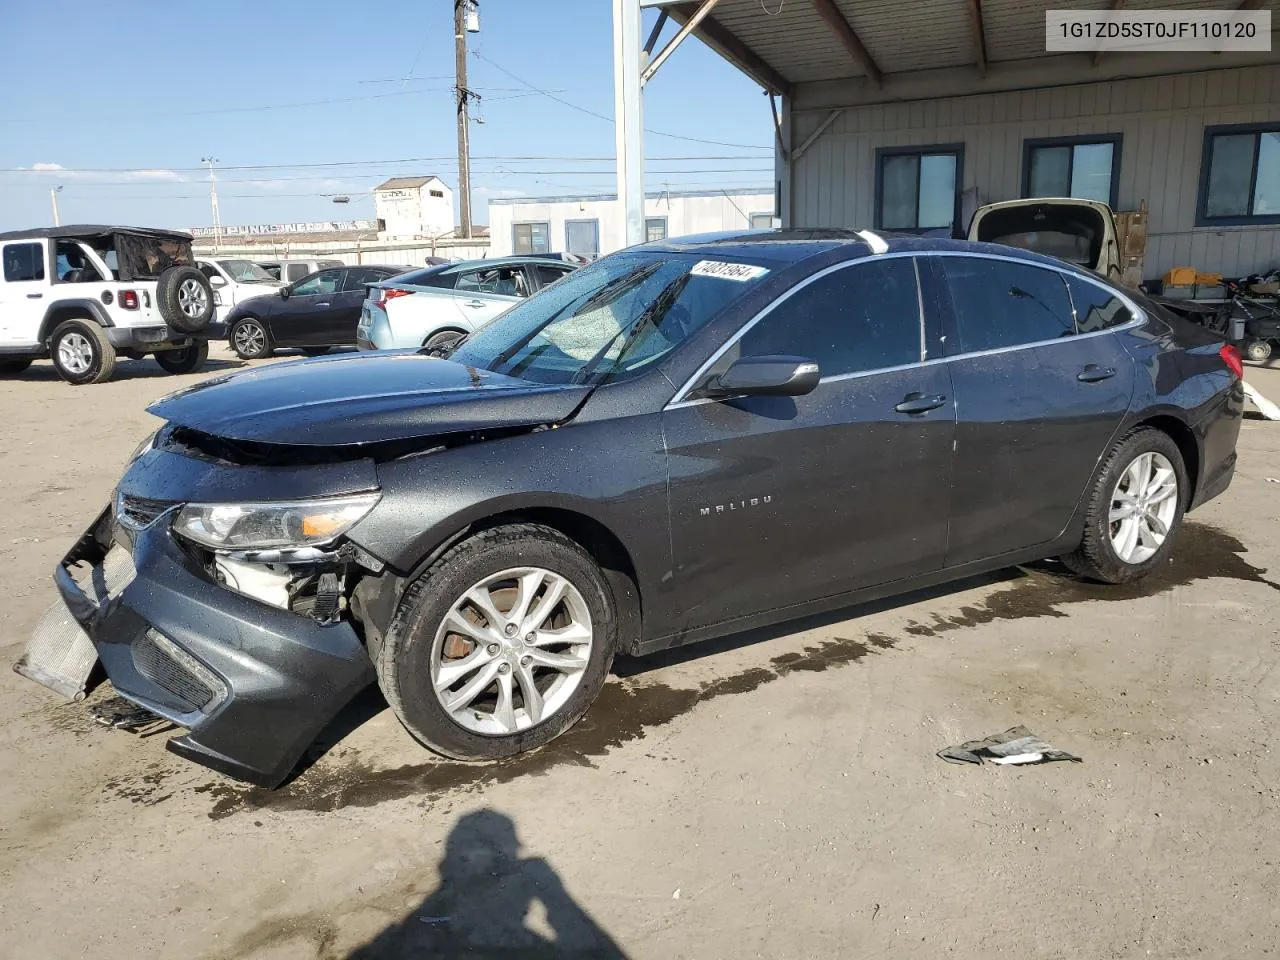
679, 441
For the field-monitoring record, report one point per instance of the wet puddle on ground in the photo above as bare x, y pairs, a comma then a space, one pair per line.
629, 707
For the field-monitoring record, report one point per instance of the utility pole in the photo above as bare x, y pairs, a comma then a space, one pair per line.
462, 9
53, 198
213, 202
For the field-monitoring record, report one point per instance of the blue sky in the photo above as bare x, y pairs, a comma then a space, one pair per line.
140, 92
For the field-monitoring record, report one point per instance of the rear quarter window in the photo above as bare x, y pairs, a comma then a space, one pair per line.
23, 262
1096, 308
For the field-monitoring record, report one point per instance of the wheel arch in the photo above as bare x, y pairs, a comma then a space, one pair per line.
596, 538
1185, 439
78, 309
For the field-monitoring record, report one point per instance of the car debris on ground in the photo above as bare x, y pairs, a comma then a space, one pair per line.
1017, 745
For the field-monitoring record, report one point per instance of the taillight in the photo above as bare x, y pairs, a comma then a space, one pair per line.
129, 299
390, 293
1231, 357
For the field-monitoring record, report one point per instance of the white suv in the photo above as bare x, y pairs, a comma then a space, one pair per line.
84, 295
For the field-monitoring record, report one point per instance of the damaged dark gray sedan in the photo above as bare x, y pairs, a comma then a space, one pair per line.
679, 441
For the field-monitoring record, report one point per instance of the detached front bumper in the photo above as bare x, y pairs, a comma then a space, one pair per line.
253, 684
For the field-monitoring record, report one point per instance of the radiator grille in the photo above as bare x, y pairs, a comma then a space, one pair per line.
139, 512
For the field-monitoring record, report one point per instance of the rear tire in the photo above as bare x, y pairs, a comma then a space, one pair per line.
250, 340
13, 366
187, 360
82, 353
1257, 350
417, 646
1129, 506
442, 341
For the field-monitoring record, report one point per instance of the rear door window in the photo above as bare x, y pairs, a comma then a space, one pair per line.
1096, 307
359, 277
999, 303
23, 262
860, 318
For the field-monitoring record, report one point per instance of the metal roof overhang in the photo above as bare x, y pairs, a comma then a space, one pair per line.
826, 53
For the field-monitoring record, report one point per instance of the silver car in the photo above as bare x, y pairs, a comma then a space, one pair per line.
438, 306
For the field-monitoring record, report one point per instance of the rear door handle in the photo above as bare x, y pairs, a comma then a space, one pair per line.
1092, 373
322, 304
475, 303
34, 296
920, 403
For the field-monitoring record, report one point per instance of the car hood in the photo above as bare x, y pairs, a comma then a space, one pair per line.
362, 398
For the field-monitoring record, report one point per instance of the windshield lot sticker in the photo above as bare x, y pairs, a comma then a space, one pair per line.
742, 272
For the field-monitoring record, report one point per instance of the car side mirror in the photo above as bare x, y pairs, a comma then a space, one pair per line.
284, 293
766, 377
217, 281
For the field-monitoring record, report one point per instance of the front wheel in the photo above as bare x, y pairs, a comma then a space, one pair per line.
501, 645
187, 360
82, 353
1134, 509
250, 340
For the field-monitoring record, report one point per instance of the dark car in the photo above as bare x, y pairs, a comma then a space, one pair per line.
315, 313
679, 441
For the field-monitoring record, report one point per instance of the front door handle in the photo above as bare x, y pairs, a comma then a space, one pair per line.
322, 304
34, 296
920, 403
1092, 373
475, 303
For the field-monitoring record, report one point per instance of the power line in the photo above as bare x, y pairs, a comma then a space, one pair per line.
608, 119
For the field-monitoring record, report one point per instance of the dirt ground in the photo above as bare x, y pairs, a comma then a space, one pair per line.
774, 795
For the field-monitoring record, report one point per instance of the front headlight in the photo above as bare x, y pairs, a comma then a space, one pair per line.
142, 448
262, 526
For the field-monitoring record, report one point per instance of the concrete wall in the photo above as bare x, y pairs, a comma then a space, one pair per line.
413, 212
1161, 119
353, 252
685, 214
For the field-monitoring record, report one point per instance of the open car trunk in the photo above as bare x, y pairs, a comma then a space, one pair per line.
1082, 232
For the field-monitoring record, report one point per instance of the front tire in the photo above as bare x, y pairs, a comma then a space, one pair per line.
250, 340
1134, 509
501, 645
187, 360
82, 353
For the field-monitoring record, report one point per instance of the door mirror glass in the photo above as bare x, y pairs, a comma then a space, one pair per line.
216, 281
766, 376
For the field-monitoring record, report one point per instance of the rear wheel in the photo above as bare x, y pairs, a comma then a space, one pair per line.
1134, 509
14, 366
82, 353
1257, 350
187, 360
501, 645
250, 340
442, 341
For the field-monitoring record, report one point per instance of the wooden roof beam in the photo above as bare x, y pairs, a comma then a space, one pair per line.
979, 37
829, 12
719, 38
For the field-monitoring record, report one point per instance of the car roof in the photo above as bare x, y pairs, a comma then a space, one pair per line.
74, 231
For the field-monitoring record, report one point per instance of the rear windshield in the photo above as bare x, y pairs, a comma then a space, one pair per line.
430, 277
612, 319
1066, 231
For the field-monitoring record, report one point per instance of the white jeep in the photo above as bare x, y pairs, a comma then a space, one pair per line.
85, 295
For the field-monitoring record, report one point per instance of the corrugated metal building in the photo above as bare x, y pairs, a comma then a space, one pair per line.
589, 226
908, 116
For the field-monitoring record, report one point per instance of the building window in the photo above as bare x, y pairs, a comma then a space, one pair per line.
437, 193
531, 237
918, 188
761, 221
1084, 167
582, 237
655, 228
1240, 175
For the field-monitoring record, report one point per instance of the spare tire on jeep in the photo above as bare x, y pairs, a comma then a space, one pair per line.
185, 299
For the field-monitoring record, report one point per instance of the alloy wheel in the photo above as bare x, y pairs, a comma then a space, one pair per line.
192, 299
511, 651
1143, 506
75, 353
250, 338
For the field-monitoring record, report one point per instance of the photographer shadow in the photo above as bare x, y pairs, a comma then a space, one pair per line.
486, 894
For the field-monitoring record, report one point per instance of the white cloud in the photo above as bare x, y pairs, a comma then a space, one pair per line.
152, 175
498, 193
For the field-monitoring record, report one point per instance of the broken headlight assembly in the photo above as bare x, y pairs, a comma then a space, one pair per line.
265, 526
